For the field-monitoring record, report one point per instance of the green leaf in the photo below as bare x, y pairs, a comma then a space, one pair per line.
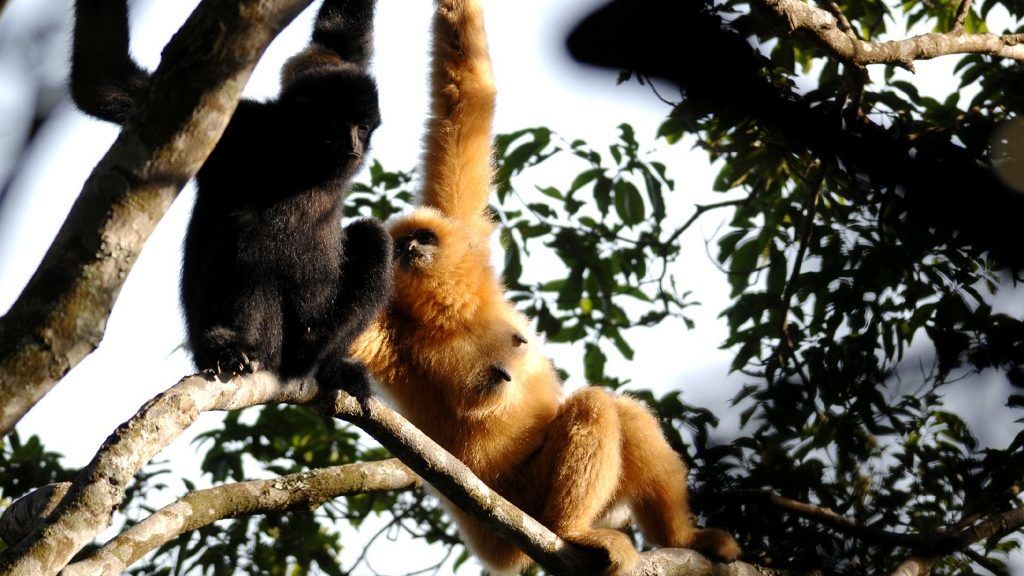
585, 178
620, 343
603, 194
551, 192
593, 363
629, 204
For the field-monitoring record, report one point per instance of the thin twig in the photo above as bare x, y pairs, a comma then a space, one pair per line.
785, 340
940, 542
844, 22
654, 89
699, 210
961, 16
996, 568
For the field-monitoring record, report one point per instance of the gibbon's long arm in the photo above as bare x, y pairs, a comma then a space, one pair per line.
457, 157
105, 81
346, 30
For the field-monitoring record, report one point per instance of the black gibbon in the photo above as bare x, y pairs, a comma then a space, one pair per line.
453, 354
270, 278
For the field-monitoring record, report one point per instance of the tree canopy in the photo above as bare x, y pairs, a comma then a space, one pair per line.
870, 241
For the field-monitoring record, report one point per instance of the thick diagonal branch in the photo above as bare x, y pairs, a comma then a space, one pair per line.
61, 315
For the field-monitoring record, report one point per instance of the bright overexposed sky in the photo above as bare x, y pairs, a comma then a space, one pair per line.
538, 84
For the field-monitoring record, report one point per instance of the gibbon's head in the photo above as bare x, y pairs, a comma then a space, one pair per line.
331, 101
441, 267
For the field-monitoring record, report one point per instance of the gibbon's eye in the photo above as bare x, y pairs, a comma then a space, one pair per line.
425, 236
364, 130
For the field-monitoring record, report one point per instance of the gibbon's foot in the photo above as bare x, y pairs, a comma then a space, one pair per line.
348, 375
232, 361
616, 549
716, 543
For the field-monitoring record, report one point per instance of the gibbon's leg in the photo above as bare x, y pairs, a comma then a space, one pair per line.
654, 484
105, 81
364, 290
457, 154
582, 457
252, 339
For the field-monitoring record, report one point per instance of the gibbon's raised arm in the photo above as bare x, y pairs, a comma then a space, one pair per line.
457, 156
333, 30
105, 81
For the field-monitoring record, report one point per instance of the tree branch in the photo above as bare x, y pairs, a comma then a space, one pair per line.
99, 489
914, 566
961, 15
61, 315
27, 513
197, 509
930, 174
457, 483
941, 542
823, 27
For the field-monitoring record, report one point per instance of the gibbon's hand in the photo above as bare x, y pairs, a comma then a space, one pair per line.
343, 373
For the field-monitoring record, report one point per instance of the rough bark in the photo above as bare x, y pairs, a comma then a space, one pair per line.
196, 509
828, 31
99, 488
27, 513
914, 566
61, 315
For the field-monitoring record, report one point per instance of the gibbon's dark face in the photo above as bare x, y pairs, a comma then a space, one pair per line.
416, 250
339, 110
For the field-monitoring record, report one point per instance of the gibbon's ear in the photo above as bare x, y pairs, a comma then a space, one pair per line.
457, 159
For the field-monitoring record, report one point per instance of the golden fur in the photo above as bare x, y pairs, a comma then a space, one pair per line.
443, 348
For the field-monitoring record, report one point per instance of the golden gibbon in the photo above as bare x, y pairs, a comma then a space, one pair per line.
462, 365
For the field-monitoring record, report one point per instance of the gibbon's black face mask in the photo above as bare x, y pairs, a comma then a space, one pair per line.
416, 250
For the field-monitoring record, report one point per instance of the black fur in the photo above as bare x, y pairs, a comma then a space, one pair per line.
270, 279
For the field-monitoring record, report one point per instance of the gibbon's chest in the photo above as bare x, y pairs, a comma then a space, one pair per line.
301, 233
456, 376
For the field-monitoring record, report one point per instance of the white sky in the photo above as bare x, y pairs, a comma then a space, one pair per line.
537, 86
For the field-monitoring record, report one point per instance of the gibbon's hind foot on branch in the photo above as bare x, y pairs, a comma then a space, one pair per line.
270, 280
461, 364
